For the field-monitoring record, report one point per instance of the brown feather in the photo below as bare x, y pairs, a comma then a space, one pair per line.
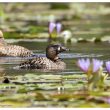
12, 50
51, 61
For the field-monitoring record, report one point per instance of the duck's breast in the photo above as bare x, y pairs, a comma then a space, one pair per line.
49, 64
42, 63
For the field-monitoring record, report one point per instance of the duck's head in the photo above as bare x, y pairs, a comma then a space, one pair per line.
52, 51
2, 41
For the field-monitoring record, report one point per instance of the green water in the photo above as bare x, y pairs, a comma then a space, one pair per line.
38, 88
78, 50
67, 88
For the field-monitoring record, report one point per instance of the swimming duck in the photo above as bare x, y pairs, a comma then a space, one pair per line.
50, 62
12, 50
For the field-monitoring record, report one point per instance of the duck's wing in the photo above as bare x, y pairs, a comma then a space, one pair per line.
14, 50
41, 63
34, 63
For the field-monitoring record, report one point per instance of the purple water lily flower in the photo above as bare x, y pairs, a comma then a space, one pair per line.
84, 64
58, 27
107, 64
106, 99
96, 65
52, 25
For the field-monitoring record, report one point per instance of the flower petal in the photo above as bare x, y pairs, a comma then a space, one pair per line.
84, 64
58, 27
96, 65
52, 25
107, 64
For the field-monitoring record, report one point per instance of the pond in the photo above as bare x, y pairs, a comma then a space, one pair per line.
67, 88
37, 88
77, 50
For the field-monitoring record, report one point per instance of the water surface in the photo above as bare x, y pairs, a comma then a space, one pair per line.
77, 50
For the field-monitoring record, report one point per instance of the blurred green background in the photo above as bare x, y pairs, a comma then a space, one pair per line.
30, 20
26, 24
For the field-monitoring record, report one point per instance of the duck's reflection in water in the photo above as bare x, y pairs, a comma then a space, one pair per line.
11, 60
2, 71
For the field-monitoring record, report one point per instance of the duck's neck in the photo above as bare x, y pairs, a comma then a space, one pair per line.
54, 59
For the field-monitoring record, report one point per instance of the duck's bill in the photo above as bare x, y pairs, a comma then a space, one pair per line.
65, 49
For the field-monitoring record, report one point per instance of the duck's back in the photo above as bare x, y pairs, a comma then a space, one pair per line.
43, 63
14, 50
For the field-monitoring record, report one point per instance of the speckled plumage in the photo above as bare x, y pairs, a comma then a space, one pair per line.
12, 50
43, 63
50, 62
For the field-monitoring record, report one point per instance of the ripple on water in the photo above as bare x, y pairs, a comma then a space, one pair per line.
17, 60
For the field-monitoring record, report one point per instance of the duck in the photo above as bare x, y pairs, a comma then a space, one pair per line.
49, 62
12, 50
